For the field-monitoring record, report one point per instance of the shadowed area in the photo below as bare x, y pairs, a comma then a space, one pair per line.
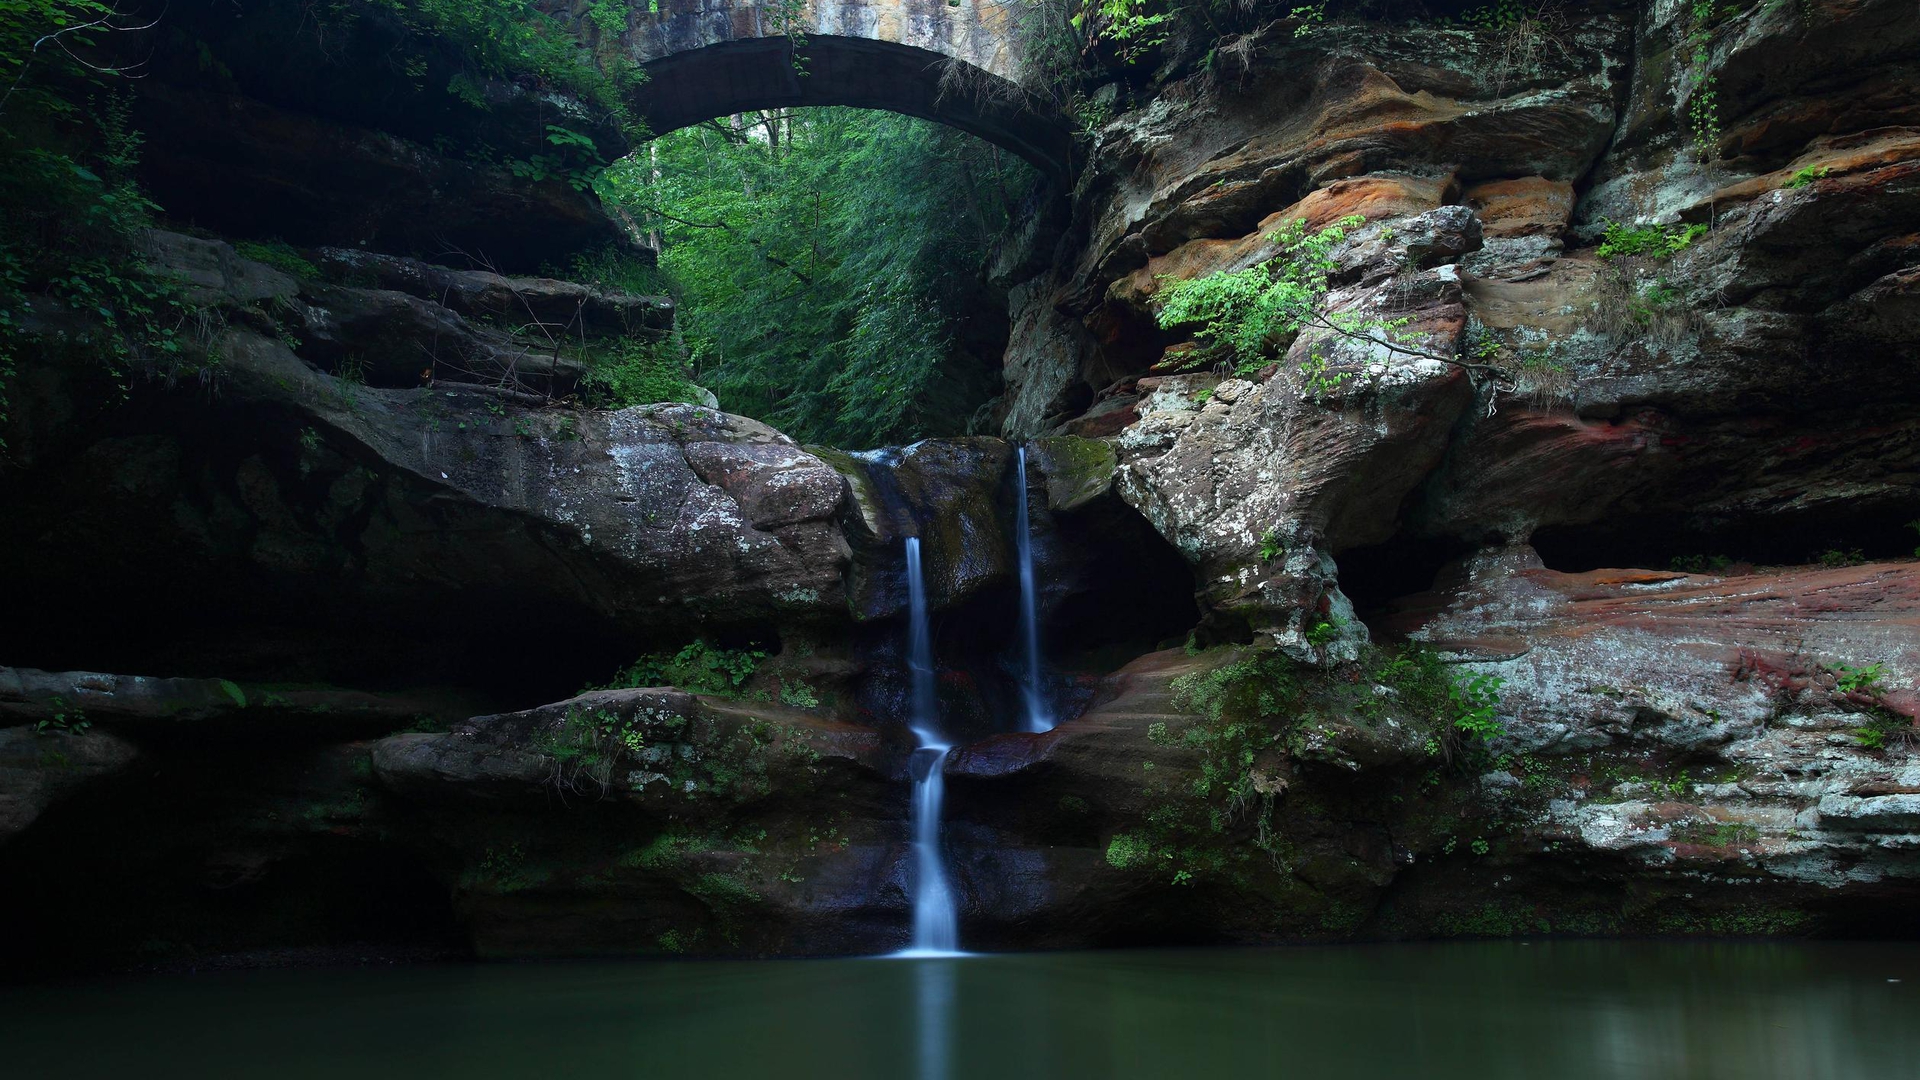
685, 88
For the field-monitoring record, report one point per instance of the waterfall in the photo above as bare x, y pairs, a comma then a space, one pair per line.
1039, 717
936, 927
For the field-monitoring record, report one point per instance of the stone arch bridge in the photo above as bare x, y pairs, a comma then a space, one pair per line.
955, 62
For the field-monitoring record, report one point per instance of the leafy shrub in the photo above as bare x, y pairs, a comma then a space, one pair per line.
1247, 313
1271, 546
698, 667
63, 721
1834, 558
1260, 685
1648, 241
1701, 564
1858, 680
799, 695
612, 269
1475, 697
278, 254
1132, 26
517, 40
1462, 704
1806, 176
585, 747
73, 235
1883, 727
828, 266
1499, 15
637, 372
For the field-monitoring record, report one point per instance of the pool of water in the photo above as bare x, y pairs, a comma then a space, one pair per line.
1544, 1011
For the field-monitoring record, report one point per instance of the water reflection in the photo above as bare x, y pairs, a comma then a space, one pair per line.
933, 990
1496, 1011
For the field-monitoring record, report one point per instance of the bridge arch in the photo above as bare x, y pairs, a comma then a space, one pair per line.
955, 63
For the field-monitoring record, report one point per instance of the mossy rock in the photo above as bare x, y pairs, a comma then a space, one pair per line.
1077, 470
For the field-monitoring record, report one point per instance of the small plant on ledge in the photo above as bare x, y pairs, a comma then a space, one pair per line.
1246, 317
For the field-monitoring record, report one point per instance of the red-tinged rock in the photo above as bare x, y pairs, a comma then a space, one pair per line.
1530, 206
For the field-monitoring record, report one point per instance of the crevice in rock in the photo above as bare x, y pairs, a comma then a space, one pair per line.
1661, 543
218, 845
1372, 577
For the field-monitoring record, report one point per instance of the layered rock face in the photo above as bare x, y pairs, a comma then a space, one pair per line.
347, 126
1750, 384
303, 643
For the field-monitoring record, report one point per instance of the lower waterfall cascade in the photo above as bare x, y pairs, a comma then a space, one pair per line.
936, 926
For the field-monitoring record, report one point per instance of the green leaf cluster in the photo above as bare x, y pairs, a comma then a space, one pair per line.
828, 264
72, 237
1648, 241
1858, 680
509, 39
637, 372
699, 667
1248, 312
278, 254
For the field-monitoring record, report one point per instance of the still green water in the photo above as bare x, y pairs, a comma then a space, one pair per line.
1546, 1011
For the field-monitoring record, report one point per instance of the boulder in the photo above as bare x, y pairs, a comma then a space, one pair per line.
39, 768
656, 821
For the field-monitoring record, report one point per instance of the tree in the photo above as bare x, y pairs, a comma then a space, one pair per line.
827, 263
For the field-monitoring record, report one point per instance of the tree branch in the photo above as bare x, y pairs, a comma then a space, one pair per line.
1318, 319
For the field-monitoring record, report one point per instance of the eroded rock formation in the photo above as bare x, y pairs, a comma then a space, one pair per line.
1647, 512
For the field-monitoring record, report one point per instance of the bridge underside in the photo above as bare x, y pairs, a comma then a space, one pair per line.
737, 76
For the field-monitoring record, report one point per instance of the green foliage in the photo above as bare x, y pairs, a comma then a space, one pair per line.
615, 270
585, 747
1649, 241
1834, 558
278, 254
1133, 27
1652, 299
1701, 564
1808, 175
1703, 112
1309, 19
1461, 704
637, 372
1475, 697
826, 262
1499, 15
1858, 680
73, 236
609, 15
1249, 316
1915, 526
65, 720
1271, 546
1127, 851
1696, 31
518, 40
698, 667
1321, 633
1421, 682
798, 694
1882, 727
1247, 313
1261, 685
234, 693
1319, 380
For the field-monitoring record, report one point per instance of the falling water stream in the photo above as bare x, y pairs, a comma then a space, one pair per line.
936, 927
1039, 716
